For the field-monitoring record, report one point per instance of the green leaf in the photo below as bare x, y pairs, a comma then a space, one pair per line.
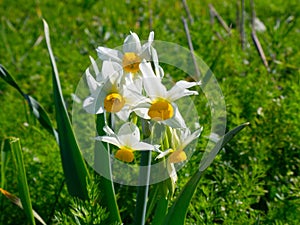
160, 211
108, 197
74, 167
22, 180
177, 212
142, 190
17, 201
5, 156
35, 107
209, 157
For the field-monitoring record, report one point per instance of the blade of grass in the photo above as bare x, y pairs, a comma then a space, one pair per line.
36, 109
178, 211
17, 202
74, 166
22, 179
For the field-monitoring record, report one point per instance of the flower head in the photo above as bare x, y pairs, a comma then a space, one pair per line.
160, 105
132, 54
179, 143
110, 92
127, 140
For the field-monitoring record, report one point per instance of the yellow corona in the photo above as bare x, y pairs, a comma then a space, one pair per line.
125, 154
131, 62
161, 110
113, 102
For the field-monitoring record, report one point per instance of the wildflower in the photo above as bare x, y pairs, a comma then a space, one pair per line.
127, 140
179, 144
132, 55
160, 105
110, 92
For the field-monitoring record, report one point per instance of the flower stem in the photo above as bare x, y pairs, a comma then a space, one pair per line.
144, 177
142, 193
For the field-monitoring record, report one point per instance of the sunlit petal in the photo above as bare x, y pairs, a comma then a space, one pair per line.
164, 153
188, 139
111, 140
91, 82
177, 120
180, 90
110, 68
143, 146
129, 134
92, 106
132, 43
109, 54
152, 84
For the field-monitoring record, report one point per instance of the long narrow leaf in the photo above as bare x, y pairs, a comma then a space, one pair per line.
5, 155
74, 166
17, 202
160, 212
35, 107
22, 179
108, 197
177, 213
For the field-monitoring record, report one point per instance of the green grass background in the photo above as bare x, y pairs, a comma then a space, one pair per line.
255, 178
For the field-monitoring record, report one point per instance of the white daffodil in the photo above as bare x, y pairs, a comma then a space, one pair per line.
179, 143
110, 92
127, 140
132, 55
160, 105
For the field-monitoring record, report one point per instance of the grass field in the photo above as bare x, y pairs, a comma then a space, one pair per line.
254, 179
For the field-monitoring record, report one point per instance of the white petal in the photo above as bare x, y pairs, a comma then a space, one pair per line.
142, 112
142, 146
133, 96
158, 70
109, 54
163, 154
95, 67
109, 131
91, 82
172, 172
152, 84
151, 37
110, 68
92, 106
111, 140
146, 69
190, 138
132, 43
124, 113
129, 134
180, 90
177, 120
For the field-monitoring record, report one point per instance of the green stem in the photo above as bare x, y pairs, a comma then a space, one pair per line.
142, 193
103, 165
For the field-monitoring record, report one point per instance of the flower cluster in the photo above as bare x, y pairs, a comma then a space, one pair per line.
129, 85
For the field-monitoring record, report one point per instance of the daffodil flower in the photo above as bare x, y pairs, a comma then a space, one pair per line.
110, 92
177, 153
127, 140
160, 105
179, 143
132, 55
